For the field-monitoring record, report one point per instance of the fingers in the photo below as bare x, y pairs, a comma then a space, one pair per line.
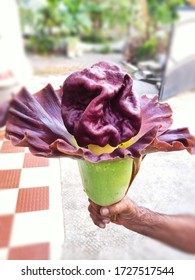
117, 213
99, 221
94, 206
97, 218
123, 206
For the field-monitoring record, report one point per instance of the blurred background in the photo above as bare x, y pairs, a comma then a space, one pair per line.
57, 26
51, 31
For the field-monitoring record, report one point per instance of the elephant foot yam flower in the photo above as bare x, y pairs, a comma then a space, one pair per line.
96, 118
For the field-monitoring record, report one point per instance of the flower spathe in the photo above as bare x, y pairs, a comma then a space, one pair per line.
96, 102
95, 109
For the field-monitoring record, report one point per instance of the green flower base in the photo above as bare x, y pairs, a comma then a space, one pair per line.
106, 182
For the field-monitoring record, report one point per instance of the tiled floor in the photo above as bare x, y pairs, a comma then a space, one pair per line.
31, 219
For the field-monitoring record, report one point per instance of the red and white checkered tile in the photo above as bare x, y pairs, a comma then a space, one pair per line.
31, 217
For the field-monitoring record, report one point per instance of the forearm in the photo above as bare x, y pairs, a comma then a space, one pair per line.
175, 230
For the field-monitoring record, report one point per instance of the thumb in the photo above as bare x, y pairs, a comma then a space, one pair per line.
123, 206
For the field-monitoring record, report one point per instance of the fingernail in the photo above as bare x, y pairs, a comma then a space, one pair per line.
101, 225
106, 221
104, 211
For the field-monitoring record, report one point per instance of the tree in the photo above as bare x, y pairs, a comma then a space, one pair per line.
109, 18
52, 21
149, 17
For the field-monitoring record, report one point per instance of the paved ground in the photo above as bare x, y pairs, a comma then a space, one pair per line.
63, 65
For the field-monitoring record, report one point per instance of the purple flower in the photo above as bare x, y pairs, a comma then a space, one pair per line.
95, 108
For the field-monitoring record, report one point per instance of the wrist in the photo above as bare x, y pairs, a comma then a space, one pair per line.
143, 221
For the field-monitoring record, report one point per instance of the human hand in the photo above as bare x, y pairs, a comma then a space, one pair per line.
123, 213
175, 230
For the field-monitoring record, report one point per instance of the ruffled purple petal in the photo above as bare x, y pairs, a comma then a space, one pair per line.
156, 118
173, 140
35, 120
155, 135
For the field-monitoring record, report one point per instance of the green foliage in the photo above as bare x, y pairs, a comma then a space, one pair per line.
147, 50
75, 18
161, 14
164, 11
109, 18
43, 44
26, 15
83, 18
93, 19
57, 18
105, 48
